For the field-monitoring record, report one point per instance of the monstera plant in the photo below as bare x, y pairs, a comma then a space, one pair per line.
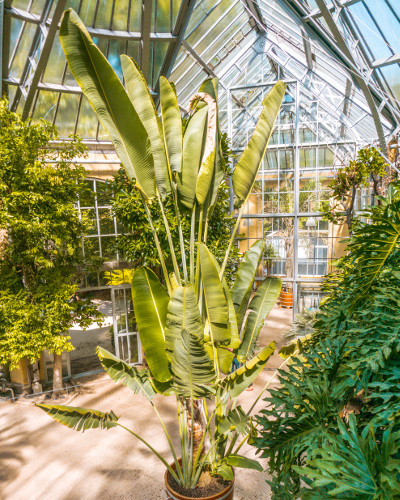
191, 324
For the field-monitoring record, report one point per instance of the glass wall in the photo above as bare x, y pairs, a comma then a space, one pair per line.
291, 189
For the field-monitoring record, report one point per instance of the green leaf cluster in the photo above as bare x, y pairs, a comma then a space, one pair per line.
40, 239
189, 319
334, 422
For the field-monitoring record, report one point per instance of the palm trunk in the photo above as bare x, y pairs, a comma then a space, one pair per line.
195, 425
57, 374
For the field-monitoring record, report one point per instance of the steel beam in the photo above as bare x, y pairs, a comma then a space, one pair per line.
5, 47
40, 33
358, 79
307, 49
387, 61
43, 58
255, 16
332, 6
146, 42
182, 20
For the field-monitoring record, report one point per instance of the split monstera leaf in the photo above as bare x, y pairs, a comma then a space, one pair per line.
192, 324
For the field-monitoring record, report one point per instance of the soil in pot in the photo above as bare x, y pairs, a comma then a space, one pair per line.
214, 486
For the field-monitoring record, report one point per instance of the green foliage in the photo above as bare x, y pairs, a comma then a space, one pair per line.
80, 419
350, 364
137, 246
40, 245
185, 312
369, 165
355, 466
303, 324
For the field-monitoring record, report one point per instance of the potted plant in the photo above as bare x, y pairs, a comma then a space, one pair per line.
190, 321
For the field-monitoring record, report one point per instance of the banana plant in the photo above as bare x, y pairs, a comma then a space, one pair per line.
191, 324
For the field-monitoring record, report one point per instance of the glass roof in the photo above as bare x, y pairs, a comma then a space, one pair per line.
345, 56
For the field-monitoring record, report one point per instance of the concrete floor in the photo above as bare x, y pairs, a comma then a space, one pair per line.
42, 460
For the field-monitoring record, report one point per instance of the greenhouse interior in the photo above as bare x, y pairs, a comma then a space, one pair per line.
200, 207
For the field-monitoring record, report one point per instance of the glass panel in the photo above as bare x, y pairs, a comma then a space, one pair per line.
86, 12
87, 121
106, 220
120, 18
135, 19
46, 104
22, 50
67, 114
55, 65
103, 17
163, 19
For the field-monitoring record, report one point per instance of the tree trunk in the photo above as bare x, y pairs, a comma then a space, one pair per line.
57, 374
198, 430
36, 385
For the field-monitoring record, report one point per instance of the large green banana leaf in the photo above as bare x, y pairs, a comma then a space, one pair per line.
216, 304
139, 381
249, 163
233, 325
224, 356
109, 100
240, 379
260, 306
183, 314
172, 125
210, 86
139, 94
193, 369
193, 142
245, 275
205, 175
150, 303
80, 419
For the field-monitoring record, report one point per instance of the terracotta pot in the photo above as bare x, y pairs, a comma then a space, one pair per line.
286, 299
225, 494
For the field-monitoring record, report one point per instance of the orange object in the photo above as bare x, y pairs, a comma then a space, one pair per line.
286, 299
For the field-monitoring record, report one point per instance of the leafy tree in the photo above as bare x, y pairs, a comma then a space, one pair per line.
368, 166
40, 243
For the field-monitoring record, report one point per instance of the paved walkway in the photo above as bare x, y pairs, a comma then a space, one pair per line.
42, 460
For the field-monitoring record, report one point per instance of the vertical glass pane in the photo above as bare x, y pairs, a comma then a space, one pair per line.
103, 17
120, 17
86, 12
46, 104
23, 50
163, 19
67, 114
135, 19
55, 65
87, 121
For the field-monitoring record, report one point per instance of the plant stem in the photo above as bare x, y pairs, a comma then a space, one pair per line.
199, 236
172, 472
169, 237
192, 236
233, 235
178, 469
241, 443
182, 241
205, 231
157, 242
